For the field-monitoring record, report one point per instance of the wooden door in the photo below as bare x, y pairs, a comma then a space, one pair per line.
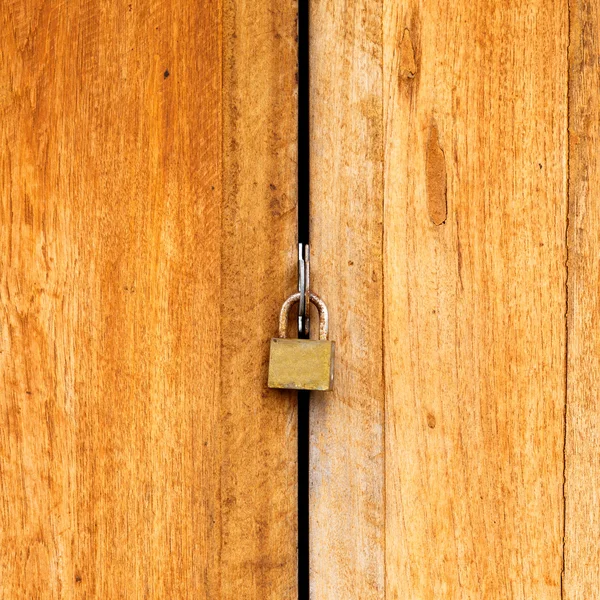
148, 237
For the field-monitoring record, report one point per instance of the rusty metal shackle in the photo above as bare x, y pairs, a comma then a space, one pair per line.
321, 307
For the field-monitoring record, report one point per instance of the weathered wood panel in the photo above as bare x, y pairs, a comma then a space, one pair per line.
147, 239
139, 456
347, 461
110, 334
582, 452
258, 270
111, 153
475, 106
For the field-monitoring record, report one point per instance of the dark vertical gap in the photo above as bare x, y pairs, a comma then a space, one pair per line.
303, 240
303, 123
303, 495
567, 282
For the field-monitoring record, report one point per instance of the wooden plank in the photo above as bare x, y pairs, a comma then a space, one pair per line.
110, 356
258, 270
474, 269
117, 447
582, 452
347, 468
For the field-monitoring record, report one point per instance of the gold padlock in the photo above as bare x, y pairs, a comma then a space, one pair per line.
296, 364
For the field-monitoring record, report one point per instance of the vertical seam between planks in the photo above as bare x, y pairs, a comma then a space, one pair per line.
223, 11
567, 231
383, 313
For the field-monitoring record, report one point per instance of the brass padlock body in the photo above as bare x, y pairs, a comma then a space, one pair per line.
301, 364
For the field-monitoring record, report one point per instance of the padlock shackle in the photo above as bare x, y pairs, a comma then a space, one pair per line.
284, 314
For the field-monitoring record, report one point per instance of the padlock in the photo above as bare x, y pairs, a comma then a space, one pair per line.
297, 364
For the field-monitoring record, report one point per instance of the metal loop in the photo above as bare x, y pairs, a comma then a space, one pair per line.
321, 307
304, 288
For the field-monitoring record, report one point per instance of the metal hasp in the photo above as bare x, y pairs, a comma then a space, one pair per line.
304, 289
302, 364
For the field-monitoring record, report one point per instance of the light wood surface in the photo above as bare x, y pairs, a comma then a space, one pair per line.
475, 108
258, 271
148, 239
140, 454
110, 335
582, 452
347, 460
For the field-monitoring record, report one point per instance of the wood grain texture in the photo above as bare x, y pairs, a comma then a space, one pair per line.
258, 270
582, 453
110, 333
148, 238
138, 295
475, 300
347, 468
